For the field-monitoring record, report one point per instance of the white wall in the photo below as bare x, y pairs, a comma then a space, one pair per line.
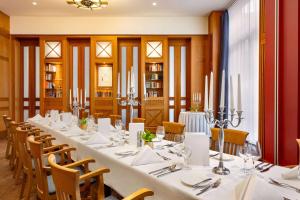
108, 25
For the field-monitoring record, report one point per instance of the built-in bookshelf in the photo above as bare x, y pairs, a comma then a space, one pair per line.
154, 79
53, 80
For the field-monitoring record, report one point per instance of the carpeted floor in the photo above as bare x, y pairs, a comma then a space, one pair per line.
8, 189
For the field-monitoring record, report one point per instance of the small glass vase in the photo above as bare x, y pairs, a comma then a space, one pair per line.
150, 144
83, 126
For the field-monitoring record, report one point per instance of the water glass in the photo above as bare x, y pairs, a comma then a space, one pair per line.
118, 125
186, 154
160, 132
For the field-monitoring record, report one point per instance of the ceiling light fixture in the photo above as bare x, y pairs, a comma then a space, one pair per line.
154, 4
89, 4
34, 3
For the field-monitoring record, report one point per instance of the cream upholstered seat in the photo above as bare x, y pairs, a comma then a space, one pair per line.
172, 129
233, 139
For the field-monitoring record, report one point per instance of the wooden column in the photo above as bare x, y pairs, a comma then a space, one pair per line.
214, 30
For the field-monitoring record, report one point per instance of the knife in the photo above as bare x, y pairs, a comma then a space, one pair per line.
175, 170
267, 168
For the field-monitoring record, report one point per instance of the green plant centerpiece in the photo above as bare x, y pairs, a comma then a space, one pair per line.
148, 137
83, 123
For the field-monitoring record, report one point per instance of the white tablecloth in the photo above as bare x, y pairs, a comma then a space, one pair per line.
126, 179
194, 122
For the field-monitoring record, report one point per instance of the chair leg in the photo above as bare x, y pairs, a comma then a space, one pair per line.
12, 160
7, 151
23, 186
18, 171
27, 191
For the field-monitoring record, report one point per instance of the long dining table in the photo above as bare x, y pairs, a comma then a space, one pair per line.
125, 178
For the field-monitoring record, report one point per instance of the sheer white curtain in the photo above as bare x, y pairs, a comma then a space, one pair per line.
244, 59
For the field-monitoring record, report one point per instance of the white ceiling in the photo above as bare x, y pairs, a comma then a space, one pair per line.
141, 8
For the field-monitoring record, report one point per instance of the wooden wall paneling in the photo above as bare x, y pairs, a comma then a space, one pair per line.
106, 105
16, 79
5, 72
156, 109
200, 64
214, 30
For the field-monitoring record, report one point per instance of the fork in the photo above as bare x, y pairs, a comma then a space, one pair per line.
213, 185
272, 181
163, 157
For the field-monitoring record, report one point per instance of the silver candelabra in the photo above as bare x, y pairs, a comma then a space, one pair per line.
76, 107
130, 101
221, 123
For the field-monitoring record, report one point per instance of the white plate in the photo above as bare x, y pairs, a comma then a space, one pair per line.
192, 179
125, 152
226, 157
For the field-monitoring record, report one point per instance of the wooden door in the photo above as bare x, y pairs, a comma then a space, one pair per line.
179, 77
129, 57
30, 80
79, 69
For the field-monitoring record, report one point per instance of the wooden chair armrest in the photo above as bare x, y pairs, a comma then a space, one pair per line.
140, 194
60, 151
54, 147
46, 139
95, 173
41, 137
80, 162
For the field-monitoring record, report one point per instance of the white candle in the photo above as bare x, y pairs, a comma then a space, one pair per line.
128, 83
80, 100
119, 87
239, 103
211, 92
70, 97
206, 94
84, 97
193, 97
77, 94
145, 91
222, 99
200, 98
231, 94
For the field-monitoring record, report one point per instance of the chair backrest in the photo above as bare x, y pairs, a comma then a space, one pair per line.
172, 129
98, 115
36, 150
7, 121
233, 140
114, 118
12, 131
25, 157
66, 181
138, 120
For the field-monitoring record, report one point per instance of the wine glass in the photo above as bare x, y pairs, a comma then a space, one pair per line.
118, 125
244, 153
160, 132
186, 154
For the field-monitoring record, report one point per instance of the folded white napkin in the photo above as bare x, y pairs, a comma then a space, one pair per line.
97, 139
255, 188
104, 125
37, 117
146, 156
75, 130
67, 117
199, 145
291, 174
134, 128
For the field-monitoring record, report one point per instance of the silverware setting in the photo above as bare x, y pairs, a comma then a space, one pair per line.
267, 168
163, 170
174, 152
210, 186
284, 185
169, 172
128, 155
200, 184
213, 155
261, 166
163, 157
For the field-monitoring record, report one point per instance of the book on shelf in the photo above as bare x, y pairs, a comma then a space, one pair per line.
153, 85
156, 77
155, 67
153, 93
50, 67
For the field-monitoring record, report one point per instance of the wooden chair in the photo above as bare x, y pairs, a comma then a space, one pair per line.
21, 141
99, 115
114, 118
8, 150
172, 129
233, 140
67, 181
138, 120
44, 182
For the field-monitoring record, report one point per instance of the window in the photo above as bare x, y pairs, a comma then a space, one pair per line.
244, 59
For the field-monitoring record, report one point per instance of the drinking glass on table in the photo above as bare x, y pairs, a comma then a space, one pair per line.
186, 154
250, 153
118, 125
160, 132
